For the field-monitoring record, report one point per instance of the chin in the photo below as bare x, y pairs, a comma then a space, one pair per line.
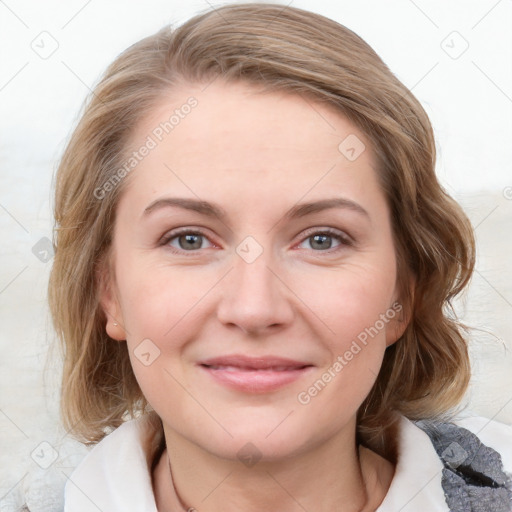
262, 441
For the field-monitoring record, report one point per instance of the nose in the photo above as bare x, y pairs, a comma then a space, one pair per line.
255, 297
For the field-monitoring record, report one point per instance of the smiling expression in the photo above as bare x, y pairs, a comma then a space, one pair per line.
247, 231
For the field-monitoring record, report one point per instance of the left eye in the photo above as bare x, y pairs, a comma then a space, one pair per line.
323, 239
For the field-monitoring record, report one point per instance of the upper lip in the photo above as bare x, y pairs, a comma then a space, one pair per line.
262, 362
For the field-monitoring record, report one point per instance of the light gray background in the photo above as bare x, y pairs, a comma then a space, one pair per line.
467, 94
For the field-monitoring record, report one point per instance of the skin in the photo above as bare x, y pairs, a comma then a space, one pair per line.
255, 155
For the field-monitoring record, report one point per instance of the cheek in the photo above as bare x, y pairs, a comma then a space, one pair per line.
352, 298
357, 307
159, 318
157, 298
356, 324
163, 309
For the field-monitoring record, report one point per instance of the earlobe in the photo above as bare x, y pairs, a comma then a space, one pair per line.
110, 305
114, 330
403, 309
396, 327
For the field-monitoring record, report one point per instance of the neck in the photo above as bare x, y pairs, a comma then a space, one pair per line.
336, 475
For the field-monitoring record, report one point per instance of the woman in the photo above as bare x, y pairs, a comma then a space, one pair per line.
253, 275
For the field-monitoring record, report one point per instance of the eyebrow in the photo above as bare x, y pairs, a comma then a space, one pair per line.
211, 210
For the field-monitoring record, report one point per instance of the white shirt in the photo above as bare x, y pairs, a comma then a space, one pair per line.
114, 476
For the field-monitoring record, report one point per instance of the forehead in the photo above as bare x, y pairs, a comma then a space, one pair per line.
209, 113
222, 137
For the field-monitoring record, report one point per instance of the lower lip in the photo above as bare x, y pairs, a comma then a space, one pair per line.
256, 381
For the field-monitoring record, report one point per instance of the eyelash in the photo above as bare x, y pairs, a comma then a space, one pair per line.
345, 240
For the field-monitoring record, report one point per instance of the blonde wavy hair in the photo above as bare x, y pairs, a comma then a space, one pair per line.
426, 372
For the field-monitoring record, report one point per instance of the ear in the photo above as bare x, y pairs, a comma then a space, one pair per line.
403, 314
108, 298
397, 325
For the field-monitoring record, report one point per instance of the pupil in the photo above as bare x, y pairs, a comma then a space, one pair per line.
322, 244
190, 238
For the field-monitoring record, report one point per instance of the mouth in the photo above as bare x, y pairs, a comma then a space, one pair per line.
254, 375
229, 368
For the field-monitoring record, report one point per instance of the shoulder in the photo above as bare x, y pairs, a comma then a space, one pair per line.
472, 431
456, 465
115, 472
495, 434
476, 453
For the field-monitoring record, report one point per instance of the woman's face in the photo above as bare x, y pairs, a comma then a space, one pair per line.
258, 261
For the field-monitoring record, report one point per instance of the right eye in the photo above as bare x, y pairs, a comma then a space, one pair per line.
184, 240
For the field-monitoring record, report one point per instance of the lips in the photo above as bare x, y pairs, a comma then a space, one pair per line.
241, 362
249, 368
254, 374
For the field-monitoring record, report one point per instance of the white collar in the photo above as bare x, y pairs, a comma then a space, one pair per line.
416, 485
114, 475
